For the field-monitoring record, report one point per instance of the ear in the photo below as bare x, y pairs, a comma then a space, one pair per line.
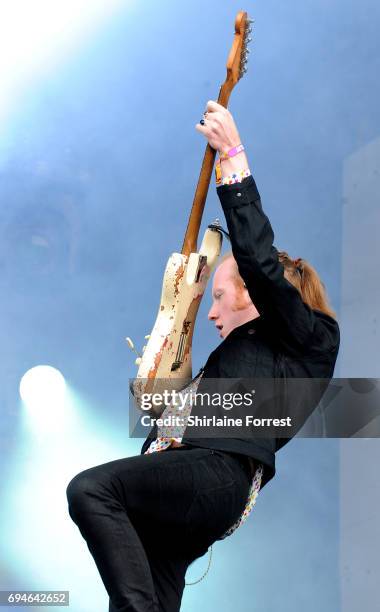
247, 297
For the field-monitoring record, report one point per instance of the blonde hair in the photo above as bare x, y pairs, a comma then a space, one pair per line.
301, 274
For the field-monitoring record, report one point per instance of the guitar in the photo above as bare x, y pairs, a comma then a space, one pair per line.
166, 359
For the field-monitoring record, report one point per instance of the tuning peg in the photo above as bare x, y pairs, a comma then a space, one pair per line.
250, 21
248, 30
147, 337
132, 346
248, 40
138, 361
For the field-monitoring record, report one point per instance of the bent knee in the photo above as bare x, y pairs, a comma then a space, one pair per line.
80, 490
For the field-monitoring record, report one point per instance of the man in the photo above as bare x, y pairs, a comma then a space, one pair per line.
146, 518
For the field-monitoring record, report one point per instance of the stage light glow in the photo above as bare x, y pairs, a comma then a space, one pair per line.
46, 458
34, 34
43, 388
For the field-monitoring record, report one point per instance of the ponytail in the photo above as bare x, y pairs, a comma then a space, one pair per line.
305, 278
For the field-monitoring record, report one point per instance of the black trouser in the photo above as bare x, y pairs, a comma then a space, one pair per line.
146, 518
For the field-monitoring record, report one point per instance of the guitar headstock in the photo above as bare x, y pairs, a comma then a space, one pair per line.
238, 57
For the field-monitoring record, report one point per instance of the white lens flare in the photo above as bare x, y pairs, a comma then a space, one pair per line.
43, 389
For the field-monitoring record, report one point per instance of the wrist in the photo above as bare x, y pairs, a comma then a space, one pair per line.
233, 164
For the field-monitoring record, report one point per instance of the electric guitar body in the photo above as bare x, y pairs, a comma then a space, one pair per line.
166, 362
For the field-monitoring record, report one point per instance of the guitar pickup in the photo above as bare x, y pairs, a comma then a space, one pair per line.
201, 264
181, 346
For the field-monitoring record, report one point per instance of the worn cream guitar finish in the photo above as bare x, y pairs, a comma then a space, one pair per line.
166, 359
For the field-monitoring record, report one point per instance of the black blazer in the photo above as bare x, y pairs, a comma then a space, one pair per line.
287, 340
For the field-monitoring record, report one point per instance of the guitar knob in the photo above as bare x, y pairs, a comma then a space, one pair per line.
132, 346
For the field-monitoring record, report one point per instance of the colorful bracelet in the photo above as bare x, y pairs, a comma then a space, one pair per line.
236, 177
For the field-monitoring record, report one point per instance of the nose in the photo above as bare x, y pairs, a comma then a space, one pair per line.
211, 314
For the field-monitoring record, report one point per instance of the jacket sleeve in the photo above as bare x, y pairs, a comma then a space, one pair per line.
277, 300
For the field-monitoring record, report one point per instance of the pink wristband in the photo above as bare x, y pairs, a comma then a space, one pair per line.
232, 152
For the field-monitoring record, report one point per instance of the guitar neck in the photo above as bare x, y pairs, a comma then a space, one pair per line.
235, 69
195, 218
